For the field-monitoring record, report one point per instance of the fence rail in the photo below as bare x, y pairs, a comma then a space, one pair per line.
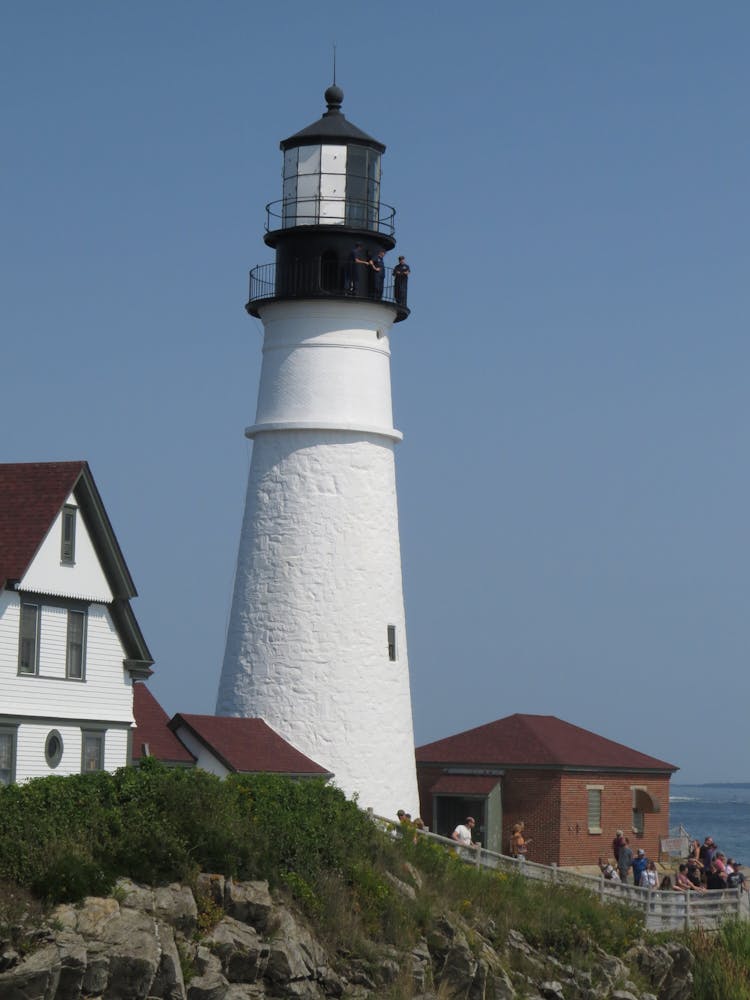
662, 910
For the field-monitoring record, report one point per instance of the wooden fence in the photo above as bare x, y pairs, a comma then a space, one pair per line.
662, 910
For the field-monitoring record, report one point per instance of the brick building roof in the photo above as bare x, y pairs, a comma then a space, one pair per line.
536, 741
248, 745
152, 735
31, 495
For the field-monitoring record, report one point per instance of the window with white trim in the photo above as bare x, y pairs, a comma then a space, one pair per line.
28, 642
594, 820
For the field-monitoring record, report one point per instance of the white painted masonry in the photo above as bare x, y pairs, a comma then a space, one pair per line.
318, 577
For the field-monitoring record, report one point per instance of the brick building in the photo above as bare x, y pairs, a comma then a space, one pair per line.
570, 787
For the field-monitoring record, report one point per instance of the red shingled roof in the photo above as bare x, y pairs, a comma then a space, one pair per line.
247, 745
536, 741
152, 730
31, 495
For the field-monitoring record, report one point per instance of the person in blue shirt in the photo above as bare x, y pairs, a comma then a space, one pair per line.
640, 863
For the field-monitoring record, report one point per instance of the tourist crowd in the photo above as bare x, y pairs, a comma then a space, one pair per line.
706, 867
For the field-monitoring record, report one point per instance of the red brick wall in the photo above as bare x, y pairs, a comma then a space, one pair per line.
554, 808
579, 847
533, 797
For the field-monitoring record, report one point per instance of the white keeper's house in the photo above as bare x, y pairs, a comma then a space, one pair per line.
72, 654
70, 646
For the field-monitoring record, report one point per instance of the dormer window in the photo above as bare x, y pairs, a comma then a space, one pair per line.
68, 546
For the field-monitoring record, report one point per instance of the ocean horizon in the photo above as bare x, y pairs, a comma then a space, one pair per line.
720, 810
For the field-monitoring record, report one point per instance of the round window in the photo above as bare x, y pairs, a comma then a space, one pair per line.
53, 748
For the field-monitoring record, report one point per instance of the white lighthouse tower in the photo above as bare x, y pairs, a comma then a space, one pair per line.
316, 643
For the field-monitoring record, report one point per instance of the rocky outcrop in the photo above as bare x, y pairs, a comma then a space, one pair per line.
152, 944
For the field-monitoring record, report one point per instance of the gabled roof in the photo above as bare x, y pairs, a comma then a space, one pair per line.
31, 497
536, 741
247, 745
152, 735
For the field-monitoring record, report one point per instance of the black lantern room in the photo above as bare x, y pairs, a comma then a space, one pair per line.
330, 221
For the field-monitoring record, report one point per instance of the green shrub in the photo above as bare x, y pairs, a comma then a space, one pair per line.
68, 874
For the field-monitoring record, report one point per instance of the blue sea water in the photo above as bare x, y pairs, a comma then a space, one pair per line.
719, 811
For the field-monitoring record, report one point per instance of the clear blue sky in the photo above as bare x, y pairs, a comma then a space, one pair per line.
571, 183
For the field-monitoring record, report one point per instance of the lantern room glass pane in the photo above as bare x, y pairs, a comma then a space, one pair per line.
332, 184
308, 185
362, 187
289, 193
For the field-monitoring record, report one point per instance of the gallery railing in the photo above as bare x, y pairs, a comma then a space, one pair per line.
320, 210
323, 278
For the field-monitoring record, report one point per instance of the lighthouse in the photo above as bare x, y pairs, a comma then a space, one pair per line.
316, 641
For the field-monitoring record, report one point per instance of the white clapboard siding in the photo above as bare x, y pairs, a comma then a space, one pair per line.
106, 694
85, 579
32, 737
204, 759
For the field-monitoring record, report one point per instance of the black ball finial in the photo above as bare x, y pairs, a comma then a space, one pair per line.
334, 97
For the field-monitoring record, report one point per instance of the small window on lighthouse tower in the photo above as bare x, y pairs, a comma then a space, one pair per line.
391, 642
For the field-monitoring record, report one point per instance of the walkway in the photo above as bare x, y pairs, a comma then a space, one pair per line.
662, 911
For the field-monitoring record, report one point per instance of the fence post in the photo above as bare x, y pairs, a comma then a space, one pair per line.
553, 866
687, 910
601, 887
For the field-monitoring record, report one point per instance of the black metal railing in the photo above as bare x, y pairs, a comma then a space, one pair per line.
319, 277
330, 211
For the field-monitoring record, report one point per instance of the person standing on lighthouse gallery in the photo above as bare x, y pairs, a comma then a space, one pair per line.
357, 262
401, 274
378, 266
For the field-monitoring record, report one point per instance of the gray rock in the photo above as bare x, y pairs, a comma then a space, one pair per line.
168, 983
242, 955
96, 975
249, 902
133, 896
35, 978
73, 962
552, 990
294, 952
413, 875
175, 905
212, 986
8, 958
458, 969
401, 887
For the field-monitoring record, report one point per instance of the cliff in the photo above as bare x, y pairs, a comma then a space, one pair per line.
226, 940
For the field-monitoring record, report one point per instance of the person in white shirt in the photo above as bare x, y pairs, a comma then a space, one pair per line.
462, 833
